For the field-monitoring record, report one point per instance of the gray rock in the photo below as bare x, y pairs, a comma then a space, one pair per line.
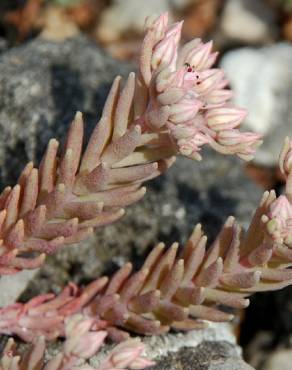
262, 81
42, 85
247, 21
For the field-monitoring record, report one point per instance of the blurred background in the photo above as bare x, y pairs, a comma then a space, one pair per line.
254, 39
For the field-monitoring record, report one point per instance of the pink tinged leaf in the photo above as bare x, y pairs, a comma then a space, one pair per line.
25, 174
30, 193
104, 218
15, 236
117, 314
189, 324
117, 335
54, 303
55, 229
154, 256
119, 278
141, 97
123, 109
132, 174
28, 263
12, 207
3, 196
261, 255
120, 197
230, 299
208, 80
225, 118
241, 279
66, 169
55, 202
102, 304
40, 245
145, 302
133, 285
196, 252
123, 146
222, 241
189, 295
75, 140
168, 312
232, 255
92, 182
47, 171
102, 131
86, 296
157, 118
84, 210
45, 324
161, 269
210, 276
144, 326
34, 220
276, 275
209, 313
172, 280
145, 57
80, 235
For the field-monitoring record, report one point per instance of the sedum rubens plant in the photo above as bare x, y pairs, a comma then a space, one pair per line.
176, 289
81, 344
176, 104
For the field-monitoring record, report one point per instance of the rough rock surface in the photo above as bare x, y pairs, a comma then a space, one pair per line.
247, 21
213, 348
41, 85
262, 81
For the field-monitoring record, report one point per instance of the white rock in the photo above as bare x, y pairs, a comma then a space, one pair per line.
11, 286
279, 360
262, 81
250, 21
123, 16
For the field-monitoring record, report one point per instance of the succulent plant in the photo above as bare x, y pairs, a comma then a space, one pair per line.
176, 104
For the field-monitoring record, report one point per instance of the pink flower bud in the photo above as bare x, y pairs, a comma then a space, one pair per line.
186, 109
217, 98
224, 118
158, 25
199, 57
165, 52
235, 137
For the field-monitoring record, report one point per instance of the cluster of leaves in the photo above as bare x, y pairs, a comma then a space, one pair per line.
175, 105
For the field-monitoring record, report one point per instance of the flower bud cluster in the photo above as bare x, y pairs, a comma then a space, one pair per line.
195, 93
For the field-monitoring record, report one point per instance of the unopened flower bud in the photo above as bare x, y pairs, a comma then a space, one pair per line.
198, 58
165, 52
186, 109
224, 118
